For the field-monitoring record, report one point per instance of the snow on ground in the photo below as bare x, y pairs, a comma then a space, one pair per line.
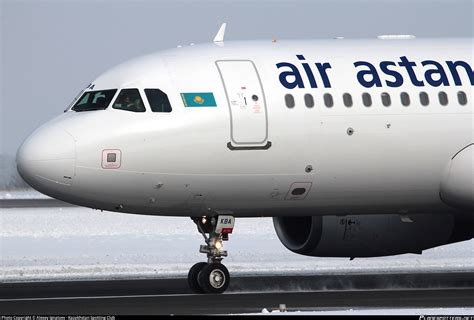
26, 194
81, 243
422, 312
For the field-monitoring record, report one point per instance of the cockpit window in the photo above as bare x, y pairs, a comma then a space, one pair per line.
129, 100
158, 100
75, 99
94, 100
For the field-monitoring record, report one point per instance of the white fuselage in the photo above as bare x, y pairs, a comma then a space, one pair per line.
245, 157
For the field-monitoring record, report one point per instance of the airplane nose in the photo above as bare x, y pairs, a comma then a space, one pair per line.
46, 160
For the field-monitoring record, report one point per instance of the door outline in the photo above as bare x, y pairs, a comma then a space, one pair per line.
245, 145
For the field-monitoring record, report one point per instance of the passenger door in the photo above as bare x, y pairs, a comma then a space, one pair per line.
247, 106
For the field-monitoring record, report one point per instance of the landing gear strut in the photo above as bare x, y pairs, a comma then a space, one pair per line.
213, 276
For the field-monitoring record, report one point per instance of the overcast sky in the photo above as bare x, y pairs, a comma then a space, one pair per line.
50, 50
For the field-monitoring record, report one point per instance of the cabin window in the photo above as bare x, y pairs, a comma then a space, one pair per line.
443, 98
309, 100
386, 101
462, 98
290, 101
424, 99
158, 100
405, 98
347, 98
129, 100
328, 100
367, 99
94, 100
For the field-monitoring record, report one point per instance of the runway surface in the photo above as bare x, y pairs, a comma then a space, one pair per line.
32, 236
245, 295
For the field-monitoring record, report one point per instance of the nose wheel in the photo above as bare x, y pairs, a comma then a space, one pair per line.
193, 277
208, 278
213, 276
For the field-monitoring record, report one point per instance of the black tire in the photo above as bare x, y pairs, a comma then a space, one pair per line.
193, 277
214, 278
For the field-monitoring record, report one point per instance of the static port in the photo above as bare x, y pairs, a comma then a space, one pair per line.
298, 191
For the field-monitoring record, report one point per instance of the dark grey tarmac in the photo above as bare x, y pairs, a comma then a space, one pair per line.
245, 295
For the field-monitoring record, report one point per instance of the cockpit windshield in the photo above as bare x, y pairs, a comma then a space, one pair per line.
94, 100
129, 100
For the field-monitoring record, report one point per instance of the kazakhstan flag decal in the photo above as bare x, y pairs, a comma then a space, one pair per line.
198, 99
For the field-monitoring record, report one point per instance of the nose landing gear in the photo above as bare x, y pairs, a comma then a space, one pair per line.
213, 276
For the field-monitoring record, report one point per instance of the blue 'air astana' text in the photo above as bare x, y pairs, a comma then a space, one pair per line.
386, 73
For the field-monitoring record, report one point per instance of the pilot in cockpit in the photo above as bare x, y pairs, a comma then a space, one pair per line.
129, 99
126, 103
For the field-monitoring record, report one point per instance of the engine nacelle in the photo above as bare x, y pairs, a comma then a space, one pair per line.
457, 185
369, 235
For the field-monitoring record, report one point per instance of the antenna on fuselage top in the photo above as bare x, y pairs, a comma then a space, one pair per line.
220, 34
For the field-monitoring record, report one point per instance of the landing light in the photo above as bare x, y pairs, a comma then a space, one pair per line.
219, 245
